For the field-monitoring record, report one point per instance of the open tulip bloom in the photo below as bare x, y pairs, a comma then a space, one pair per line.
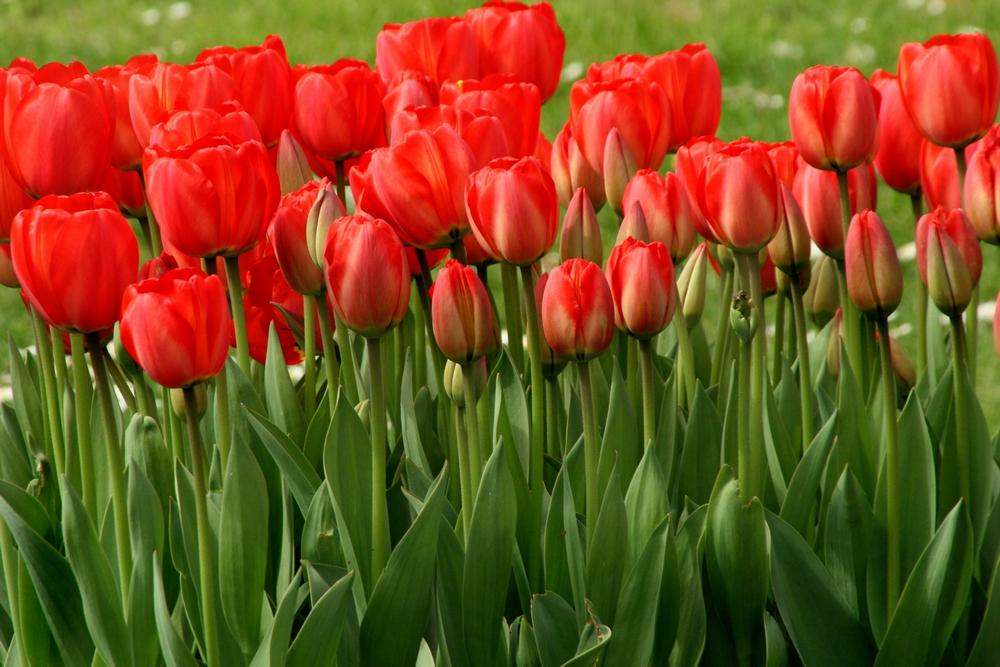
308, 430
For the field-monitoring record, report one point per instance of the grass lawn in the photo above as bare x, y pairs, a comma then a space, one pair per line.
760, 45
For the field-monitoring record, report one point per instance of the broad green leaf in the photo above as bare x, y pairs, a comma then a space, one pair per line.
934, 596
777, 647
690, 639
175, 651
144, 443
802, 488
295, 469
489, 549
854, 439
320, 543
556, 631
27, 507
13, 461
822, 626
412, 443
27, 404
730, 423
736, 553
527, 646
646, 504
606, 556
621, 443
273, 650
848, 534
701, 456
517, 409
665, 444
317, 643
401, 602
575, 542
283, 405
986, 651
593, 641
34, 628
316, 436
243, 545
145, 522
557, 578
781, 456
450, 570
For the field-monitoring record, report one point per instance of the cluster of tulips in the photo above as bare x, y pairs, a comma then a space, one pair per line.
235, 176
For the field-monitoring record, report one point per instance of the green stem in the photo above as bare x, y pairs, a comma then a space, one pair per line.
537, 432
722, 326
743, 394
423, 287
852, 317
146, 240
239, 318
917, 207
50, 390
82, 391
972, 322
458, 252
120, 382
591, 449
960, 360
309, 324
512, 315
141, 397
758, 455
779, 338
805, 373
891, 465
116, 464
223, 426
464, 468
348, 364
205, 567
791, 339
632, 372
172, 427
330, 357
420, 343
155, 242
648, 395
380, 517
472, 427
685, 356
59, 359
341, 182
484, 277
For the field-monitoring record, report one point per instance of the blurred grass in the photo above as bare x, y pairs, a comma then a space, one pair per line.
760, 46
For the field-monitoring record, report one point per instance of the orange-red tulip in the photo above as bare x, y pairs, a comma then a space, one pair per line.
578, 311
949, 258
464, 325
641, 278
874, 277
898, 157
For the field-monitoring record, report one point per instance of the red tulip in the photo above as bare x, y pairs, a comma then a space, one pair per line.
689, 164
464, 325
982, 188
157, 266
265, 286
475, 254
74, 256
818, 194
367, 276
633, 224
417, 186
444, 49
898, 157
213, 197
552, 363
791, 247
768, 277
8, 278
516, 104
13, 200
58, 128
786, 160
571, 171
950, 87
127, 153
740, 195
939, 175
408, 88
246, 260
641, 278
182, 127
581, 233
338, 109
434, 258
480, 130
256, 69
834, 114
125, 187
640, 110
513, 208
822, 299
874, 277
949, 258
522, 40
543, 151
287, 232
176, 327
668, 212
578, 311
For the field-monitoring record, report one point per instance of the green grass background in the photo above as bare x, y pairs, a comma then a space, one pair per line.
760, 46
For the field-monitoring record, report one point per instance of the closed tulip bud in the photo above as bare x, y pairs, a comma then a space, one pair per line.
552, 363
176, 327
290, 240
786, 160
785, 281
791, 247
939, 177
641, 278
743, 317
982, 188
325, 210
898, 157
578, 311
902, 366
571, 171
723, 255
367, 275
950, 87
691, 286
818, 195
157, 266
740, 195
874, 277
949, 258
464, 325
513, 209
822, 299
689, 164
633, 225
619, 168
443, 49
74, 256
834, 342
454, 379
668, 211
833, 113
180, 409
581, 233
293, 166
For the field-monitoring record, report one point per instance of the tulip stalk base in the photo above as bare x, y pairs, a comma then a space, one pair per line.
893, 510
757, 370
805, 373
537, 432
380, 517
648, 394
239, 317
464, 468
591, 449
309, 324
512, 314
472, 425
206, 569
223, 427
779, 338
50, 391
960, 359
331, 366
423, 287
81, 390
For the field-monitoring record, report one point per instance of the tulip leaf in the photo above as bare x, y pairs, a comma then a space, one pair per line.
27, 404
283, 405
777, 647
300, 476
701, 455
27, 507
175, 652
401, 602
319, 638
781, 456
665, 444
854, 439
606, 556
527, 645
412, 443
243, 539
34, 628
448, 592
574, 551
13, 461
593, 641
320, 539
646, 504
846, 544
690, 640
273, 650
489, 549
986, 650
934, 596
315, 440
517, 410
146, 527
557, 578
621, 444
556, 631
802, 488
821, 624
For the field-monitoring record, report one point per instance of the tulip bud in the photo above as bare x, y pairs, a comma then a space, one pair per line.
874, 277
571, 171
454, 379
668, 211
464, 324
619, 168
691, 286
822, 299
364, 410
902, 366
949, 259
552, 363
768, 276
723, 255
180, 408
743, 317
325, 210
791, 246
578, 311
293, 167
785, 281
581, 233
982, 188
634, 225
833, 343
642, 284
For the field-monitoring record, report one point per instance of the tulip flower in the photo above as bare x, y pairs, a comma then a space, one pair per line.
619, 168
58, 129
543, 151
13, 200
874, 277
182, 127
689, 164
641, 278
982, 187
578, 310
552, 363
255, 69
74, 256
950, 87
454, 380
292, 164
326, 211
125, 187
522, 40
513, 209
517, 105
768, 279
408, 88
939, 179
571, 171
904, 371
786, 160
464, 325
949, 258
157, 266
338, 110
668, 212
691, 286
633, 225
822, 298
581, 233
481, 131
816, 193
287, 233
898, 157
791, 247
126, 153
265, 286
444, 49
834, 113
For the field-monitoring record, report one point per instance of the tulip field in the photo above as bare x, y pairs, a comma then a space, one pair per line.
519, 335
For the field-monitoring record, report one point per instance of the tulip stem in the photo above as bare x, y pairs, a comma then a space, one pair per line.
917, 206
380, 517
51, 392
348, 364
423, 287
512, 314
116, 464
205, 566
537, 431
464, 468
239, 318
648, 394
722, 327
960, 360
458, 252
758, 454
805, 372
81, 390
309, 324
591, 449
420, 343
223, 427
685, 357
779, 339
852, 317
155, 242
972, 322
472, 425
330, 358
59, 359
891, 464
120, 383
